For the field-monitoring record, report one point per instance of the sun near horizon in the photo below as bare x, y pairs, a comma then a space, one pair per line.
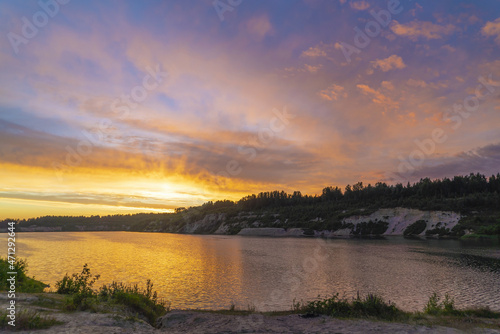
117, 108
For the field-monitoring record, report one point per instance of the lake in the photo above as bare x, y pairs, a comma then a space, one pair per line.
212, 272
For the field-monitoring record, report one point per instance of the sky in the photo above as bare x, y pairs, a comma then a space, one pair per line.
144, 106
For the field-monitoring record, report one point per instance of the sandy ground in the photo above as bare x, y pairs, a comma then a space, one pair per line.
207, 322
196, 322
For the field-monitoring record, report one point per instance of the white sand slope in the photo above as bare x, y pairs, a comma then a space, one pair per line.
400, 218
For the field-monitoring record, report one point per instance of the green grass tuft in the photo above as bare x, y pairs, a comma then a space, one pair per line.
24, 283
28, 319
447, 307
82, 296
369, 306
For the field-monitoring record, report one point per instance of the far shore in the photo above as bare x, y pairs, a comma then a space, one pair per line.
271, 232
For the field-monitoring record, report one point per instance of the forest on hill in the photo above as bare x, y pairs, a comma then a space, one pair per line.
475, 196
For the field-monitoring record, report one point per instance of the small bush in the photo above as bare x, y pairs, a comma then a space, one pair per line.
448, 304
446, 307
369, 306
298, 306
80, 289
144, 302
371, 228
415, 228
77, 283
23, 282
433, 306
82, 296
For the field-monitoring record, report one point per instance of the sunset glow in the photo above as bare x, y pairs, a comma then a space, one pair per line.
130, 106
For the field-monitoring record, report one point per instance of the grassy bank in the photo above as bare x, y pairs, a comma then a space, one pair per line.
24, 283
374, 306
76, 292
134, 301
476, 236
25, 319
437, 312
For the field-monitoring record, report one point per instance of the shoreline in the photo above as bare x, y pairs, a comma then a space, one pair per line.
265, 234
236, 321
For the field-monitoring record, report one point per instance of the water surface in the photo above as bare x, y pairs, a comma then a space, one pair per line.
209, 272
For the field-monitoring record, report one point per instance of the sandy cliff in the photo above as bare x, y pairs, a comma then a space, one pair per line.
400, 218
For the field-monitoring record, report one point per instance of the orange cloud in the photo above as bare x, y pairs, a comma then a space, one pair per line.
333, 92
492, 29
312, 68
359, 5
387, 85
378, 97
389, 63
417, 29
259, 26
416, 83
315, 51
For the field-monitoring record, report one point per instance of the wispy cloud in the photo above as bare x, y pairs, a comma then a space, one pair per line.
492, 29
315, 51
484, 160
333, 93
359, 4
422, 29
389, 63
378, 97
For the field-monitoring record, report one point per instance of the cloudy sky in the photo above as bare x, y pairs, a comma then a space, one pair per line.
128, 106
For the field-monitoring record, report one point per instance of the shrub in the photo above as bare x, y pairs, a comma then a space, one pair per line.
415, 228
369, 306
79, 287
448, 304
78, 283
371, 228
23, 282
432, 306
446, 307
145, 302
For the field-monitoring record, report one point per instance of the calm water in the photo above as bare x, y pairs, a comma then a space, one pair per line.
210, 272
